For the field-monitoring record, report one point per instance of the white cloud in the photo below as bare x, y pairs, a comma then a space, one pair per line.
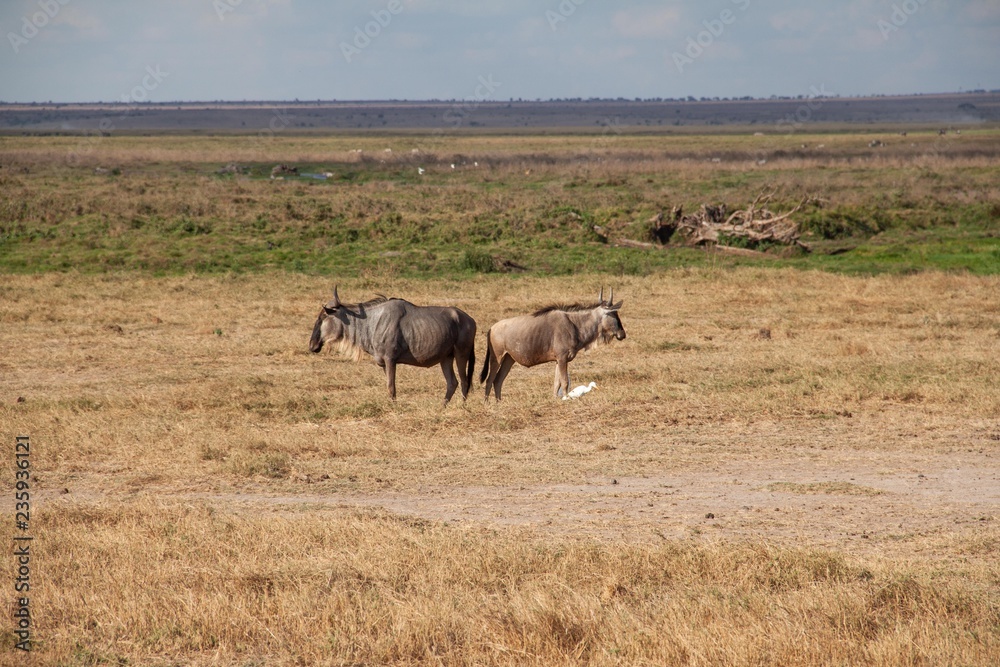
794, 20
485, 54
792, 45
615, 54
155, 33
530, 29
409, 40
865, 38
465, 8
646, 22
983, 10
603, 58
83, 24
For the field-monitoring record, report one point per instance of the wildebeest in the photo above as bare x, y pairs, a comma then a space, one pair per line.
394, 331
554, 333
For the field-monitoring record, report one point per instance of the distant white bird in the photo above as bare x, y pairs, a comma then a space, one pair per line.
453, 165
580, 391
420, 170
475, 164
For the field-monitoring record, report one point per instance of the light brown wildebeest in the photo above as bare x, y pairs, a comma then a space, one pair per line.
394, 331
554, 333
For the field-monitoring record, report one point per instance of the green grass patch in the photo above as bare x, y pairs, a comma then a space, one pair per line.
551, 212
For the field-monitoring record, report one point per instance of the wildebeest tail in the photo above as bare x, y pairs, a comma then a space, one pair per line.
471, 368
486, 362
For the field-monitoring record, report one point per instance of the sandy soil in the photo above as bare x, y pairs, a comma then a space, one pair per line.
856, 502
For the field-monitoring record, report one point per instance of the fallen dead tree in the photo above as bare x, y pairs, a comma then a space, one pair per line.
282, 170
754, 227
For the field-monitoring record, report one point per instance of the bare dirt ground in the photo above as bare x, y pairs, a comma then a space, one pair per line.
852, 501
872, 502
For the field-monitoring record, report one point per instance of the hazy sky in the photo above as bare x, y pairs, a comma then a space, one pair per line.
86, 50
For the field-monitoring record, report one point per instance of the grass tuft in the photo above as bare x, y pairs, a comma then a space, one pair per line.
828, 488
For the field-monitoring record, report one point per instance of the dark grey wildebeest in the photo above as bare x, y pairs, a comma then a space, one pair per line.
554, 333
394, 331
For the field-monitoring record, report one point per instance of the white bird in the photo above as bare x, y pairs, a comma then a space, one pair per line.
580, 391
453, 166
420, 170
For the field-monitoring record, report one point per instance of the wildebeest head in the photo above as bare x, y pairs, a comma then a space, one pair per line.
329, 327
610, 325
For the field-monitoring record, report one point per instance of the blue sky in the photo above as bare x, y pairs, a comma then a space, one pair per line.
107, 50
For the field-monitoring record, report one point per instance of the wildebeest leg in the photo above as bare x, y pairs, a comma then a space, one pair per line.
449, 377
505, 366
562, 377
390, 377
492, 365
464, 371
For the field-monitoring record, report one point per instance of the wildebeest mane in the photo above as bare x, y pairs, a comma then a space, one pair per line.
379, 299
349, 345
566, 308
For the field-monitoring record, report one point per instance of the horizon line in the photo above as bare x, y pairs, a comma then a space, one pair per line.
688, 99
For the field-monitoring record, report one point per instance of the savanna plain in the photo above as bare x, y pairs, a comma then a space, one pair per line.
790, 460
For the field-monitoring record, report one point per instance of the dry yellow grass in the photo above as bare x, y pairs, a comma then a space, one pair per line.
208, 492
159, 583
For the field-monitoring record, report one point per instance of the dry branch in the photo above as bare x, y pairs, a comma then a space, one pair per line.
756, 225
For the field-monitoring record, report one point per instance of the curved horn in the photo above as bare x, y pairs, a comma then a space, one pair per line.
611, 299
600, 299
336, 299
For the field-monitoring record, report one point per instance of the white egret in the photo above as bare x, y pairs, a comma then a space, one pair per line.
580, 391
